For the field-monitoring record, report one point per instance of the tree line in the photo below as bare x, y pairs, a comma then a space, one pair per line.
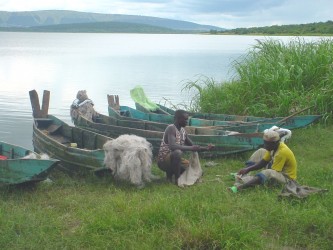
320, 28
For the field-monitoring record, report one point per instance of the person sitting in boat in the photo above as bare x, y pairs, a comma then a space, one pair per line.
83, 106
175, 141
282, 169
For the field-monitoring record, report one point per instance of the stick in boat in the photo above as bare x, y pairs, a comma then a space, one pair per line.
113, 101
296, 113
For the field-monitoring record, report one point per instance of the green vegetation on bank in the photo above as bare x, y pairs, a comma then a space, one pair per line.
321, 28
273, 79
93, 213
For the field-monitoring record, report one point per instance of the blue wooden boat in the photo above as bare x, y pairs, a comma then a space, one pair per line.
79, 150
142, 103
224, 144
207, 116
291, 122
19, 165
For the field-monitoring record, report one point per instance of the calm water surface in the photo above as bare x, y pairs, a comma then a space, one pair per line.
104, 64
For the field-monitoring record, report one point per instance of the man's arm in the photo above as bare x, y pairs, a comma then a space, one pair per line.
189, 142
170, 133
259, 165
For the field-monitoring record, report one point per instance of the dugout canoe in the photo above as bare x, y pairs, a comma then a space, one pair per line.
19, 165
79, 150
224, 144
144, 104
134, 116
206, 116
239, 118
292, 122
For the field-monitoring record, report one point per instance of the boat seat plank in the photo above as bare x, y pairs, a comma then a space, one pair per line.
43, 122
61, 139
53, 129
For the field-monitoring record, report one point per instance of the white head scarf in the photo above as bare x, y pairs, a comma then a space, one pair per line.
271, 135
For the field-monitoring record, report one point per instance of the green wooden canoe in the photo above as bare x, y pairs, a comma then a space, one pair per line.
153, 132
16, 167
207, 116
292, 122
220, 117
79, 150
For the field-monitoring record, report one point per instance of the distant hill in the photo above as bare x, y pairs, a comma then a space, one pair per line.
99, 27
55, 20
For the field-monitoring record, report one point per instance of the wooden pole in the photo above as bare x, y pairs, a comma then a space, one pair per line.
113, 101
37, 112
35, 104
45, 105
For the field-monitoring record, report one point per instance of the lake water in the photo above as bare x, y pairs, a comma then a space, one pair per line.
104, 64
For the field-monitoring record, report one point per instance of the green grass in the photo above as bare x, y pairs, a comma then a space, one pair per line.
272, 79
94, 213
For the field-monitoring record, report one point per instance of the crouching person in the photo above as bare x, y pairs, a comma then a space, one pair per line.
174, 143
283, 168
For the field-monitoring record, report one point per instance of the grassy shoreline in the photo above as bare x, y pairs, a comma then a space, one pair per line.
92, 213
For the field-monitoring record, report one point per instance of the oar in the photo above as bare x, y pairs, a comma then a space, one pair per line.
281, 122
294, 114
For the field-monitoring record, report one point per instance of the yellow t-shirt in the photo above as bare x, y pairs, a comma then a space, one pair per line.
283, 161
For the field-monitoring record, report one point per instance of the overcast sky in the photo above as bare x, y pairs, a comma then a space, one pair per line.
222, 13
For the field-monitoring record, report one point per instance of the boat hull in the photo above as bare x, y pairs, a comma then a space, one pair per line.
242, 127
16, 168
78, 150
224, 144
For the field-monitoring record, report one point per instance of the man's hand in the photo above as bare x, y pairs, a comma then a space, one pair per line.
207, 148
243, 171
199, 148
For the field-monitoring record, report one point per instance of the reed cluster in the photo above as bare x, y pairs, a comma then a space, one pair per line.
273, 79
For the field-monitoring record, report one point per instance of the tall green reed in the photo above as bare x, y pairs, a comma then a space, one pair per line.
273, 79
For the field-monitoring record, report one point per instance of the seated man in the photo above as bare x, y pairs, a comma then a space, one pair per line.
283, 168
175, 141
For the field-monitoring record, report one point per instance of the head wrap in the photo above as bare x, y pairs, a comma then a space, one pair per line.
271, 135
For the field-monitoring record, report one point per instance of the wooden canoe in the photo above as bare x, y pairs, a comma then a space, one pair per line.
221, 117
78, 149
292, 122
207, 116
224, 144
19, 165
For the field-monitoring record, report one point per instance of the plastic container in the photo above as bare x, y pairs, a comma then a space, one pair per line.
2, 157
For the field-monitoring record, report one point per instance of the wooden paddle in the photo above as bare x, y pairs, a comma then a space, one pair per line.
294, 114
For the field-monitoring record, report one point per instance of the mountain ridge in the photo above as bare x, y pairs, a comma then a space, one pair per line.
29, 19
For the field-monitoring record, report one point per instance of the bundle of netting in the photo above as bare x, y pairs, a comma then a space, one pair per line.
130, 159
33, 155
